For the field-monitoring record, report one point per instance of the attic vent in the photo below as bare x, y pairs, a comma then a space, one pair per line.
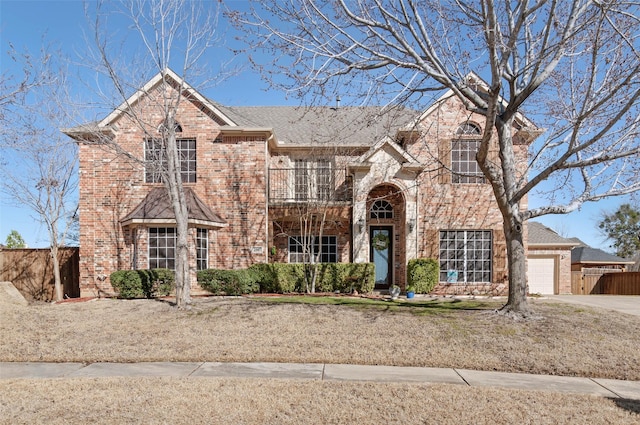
177, 128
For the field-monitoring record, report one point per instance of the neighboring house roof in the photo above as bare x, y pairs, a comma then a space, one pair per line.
578, 241
541, 235
156, 208
588, 255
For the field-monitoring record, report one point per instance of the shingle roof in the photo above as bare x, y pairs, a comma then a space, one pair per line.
586, 254
323, 126
156, 207
539, 234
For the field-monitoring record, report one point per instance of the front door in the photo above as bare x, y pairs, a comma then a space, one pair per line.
381, 254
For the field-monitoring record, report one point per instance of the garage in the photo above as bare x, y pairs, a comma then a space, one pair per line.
542, 275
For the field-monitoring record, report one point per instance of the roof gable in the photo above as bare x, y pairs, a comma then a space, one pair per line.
169, 76
526, 128
394, 150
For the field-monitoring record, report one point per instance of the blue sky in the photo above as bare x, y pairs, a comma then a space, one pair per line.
28, 24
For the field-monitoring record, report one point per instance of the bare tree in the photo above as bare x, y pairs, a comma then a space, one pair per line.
39, 164
172, 33
574, 65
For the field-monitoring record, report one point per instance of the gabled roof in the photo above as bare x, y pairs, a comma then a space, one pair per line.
529, 131
588, 255
169, 76
156, 208
541, 235
407, 161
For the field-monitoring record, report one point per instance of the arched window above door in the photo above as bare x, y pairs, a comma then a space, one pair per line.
381, 209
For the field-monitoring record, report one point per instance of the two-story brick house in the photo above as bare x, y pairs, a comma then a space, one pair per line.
388, 185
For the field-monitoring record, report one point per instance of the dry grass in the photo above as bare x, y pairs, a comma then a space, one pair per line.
569, 340
255, 401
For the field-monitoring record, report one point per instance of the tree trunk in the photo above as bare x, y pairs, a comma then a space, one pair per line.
173, 183
517, 304
504, 183
183, 281
56, 273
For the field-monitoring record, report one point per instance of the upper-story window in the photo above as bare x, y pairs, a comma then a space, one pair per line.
156, 162
312, 180
464, 147
381, 209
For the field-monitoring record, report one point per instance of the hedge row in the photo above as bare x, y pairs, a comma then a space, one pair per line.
143, 283
287, 278
423, 275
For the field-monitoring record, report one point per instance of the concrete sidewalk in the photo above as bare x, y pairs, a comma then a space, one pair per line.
328, 372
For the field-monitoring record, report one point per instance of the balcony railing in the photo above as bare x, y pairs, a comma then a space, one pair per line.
310, 185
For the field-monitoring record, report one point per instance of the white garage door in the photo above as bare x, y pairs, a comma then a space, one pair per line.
541, 274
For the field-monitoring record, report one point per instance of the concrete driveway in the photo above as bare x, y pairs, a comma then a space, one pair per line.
629, 304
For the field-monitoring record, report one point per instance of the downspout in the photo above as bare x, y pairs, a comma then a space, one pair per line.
266, 198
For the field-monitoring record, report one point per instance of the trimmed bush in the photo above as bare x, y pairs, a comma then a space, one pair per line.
279, 278
164, 281
283, 278
227, 282
143, 283
423, 274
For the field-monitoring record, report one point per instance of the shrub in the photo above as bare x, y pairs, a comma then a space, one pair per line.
423, 274
283, 278
163, 281
143, 283
127, 283
228, 282
343, 277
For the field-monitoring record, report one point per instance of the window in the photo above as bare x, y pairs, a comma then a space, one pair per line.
313, 180
155, 158
381, 209
162, 248
202, 249
299, 251
464, 166
465, 256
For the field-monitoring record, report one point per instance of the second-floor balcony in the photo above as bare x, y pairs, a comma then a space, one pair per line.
310, 184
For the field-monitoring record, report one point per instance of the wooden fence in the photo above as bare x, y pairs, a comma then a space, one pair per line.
621, 283
31, 272
605, 281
